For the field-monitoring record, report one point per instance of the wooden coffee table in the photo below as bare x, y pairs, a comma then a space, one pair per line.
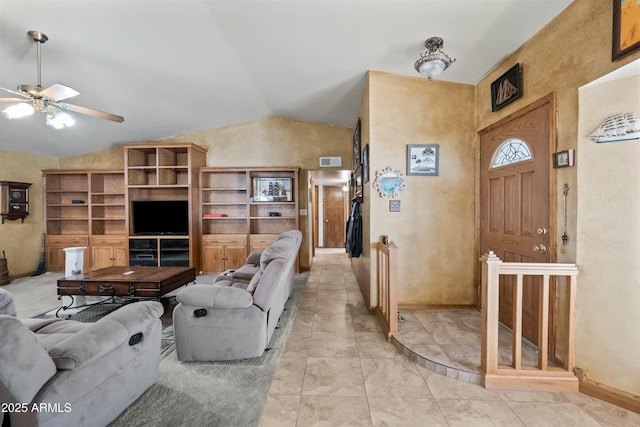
134, 282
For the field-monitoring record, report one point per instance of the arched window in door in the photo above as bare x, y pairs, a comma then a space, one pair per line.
511, 151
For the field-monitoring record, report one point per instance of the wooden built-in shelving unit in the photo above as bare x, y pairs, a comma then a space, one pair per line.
85, 208
164, 172
233, 222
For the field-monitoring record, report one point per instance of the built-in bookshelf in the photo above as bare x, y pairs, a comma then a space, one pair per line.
85, 208
243, 210
164, 172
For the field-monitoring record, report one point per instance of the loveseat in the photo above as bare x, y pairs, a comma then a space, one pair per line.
232, 320
66, 373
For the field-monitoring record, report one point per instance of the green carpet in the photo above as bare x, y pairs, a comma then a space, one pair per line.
217, 394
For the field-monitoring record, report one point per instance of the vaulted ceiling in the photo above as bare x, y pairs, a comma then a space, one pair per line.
178, 66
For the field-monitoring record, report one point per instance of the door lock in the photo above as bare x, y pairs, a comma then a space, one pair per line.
542, 230
539, 248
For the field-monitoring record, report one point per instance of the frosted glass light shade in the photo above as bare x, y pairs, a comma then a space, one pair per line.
18, 110
430, 69
60, 120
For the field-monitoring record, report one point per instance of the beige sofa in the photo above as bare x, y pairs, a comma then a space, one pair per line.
66, 373
232, 320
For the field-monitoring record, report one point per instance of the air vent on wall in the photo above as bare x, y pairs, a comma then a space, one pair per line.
330, 162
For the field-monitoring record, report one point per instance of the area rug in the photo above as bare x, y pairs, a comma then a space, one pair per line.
213, 393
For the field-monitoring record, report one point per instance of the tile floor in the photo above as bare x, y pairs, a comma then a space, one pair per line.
337, 369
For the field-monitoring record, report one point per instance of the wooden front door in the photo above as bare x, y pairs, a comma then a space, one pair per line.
515, 203
333, 216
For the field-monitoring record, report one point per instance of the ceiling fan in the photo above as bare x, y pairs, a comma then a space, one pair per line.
48, 100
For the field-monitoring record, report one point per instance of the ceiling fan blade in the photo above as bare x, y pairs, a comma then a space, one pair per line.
92, 112
58, 92
12, 100
15, 92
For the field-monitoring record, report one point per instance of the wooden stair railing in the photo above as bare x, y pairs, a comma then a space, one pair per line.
387, 305
516, 376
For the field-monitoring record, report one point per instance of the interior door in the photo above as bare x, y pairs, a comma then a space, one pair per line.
514, 201
333, 216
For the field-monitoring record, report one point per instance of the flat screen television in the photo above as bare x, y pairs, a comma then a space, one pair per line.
159, 217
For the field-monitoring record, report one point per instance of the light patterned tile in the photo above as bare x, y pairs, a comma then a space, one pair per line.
327, 322
394, 378
610, 415
544, 414
387, 412
478, 413
332, 344
288, 376
297, 344
373, 345
333, 377
326, 411
443, 387
280, 411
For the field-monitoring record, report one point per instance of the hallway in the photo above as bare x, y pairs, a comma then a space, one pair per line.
337, 369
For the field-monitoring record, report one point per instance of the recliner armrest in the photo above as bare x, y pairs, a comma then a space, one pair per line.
215, 296
103, 336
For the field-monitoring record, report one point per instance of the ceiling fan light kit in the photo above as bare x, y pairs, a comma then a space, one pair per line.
434, 61
47, 100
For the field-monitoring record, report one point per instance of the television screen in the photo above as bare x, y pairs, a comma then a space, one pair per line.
157, 217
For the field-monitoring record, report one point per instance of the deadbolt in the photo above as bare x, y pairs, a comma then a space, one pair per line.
542, 230
540, 248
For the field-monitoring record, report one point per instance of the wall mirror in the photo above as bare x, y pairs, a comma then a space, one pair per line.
389, 182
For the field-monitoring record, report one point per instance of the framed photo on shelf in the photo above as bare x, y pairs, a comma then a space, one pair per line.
272, 190
562, 159
423, 159
626, 38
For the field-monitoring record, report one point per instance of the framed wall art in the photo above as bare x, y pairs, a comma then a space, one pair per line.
626, 37
356, 145
506, 88
423, 159
365, 164
389, 182
563, 159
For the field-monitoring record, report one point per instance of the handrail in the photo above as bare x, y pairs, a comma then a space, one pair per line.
542, 376
387, 303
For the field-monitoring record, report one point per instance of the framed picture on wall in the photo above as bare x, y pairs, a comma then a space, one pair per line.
356, 145
365, 164
562, 159
626, 37
506, 88
423, 159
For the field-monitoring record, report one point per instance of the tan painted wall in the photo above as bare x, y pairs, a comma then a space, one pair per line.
572, 50
272, 142
23, 242
434, 230
608, 299
107, 159
276, 142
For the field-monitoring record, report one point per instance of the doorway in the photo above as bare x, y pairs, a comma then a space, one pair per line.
515, 195
333, 217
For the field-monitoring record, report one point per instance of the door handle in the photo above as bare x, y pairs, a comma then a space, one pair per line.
539, 248
326, 220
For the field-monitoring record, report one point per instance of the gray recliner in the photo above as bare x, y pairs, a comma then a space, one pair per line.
226, 322
82, 374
